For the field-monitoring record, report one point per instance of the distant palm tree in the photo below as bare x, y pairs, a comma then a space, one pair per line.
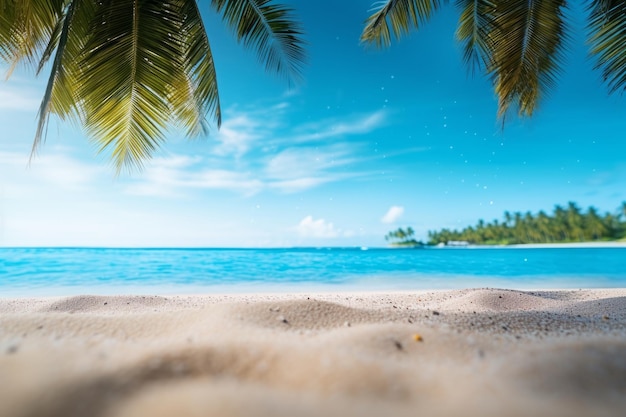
518, 43
129, 69
594, 227
543, 226
519, 230
575, 221
620, 216
507, 218
561, 227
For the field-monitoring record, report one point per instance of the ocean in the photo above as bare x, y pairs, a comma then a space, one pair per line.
31, 272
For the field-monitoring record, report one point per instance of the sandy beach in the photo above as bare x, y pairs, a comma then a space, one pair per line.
475, 352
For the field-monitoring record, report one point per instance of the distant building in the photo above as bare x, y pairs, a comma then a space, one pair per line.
457, 243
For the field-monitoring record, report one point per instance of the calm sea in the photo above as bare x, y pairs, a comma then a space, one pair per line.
68, 271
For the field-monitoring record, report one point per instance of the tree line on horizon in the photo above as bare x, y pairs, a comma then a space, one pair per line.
566, 224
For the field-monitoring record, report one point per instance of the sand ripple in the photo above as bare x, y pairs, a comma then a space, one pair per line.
479, 352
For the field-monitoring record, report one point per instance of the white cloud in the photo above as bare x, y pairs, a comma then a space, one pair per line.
291, 170
56, 169
280, 106
24, 100
299, 184
168, 176
393, 214
236, 134
309, 161
300, 168
291, 92
333, 128
316, 228
273, 160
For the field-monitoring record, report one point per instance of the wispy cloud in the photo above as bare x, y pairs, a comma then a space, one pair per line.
324, 129
305, 161
393, 214
251, 156
295, 169
300, 184
176, 175
607, 177
291, 92
236, 135
171, 176
12, 99
57, 169
15, 95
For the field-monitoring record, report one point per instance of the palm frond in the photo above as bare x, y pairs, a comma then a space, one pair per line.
66, 44
55, 35
25, 27
528, 38
58, 41
476, 24
608, 39
397, 17
269, 29
194, 88
128, 67
7, 17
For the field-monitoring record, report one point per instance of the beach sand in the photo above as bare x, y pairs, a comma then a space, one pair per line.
475, 352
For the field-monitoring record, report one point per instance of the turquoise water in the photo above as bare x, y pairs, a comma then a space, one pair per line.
68, 271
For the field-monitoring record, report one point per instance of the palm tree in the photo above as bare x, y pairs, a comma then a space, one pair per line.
561, 226
531, 231
127, 70
575, 221
508, 218
518, 228
594, 228
519, 43
543, 226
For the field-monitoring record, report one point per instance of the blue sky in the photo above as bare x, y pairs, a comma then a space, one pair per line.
369, 141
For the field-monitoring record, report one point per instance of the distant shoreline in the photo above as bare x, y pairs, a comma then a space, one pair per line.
613, 244
584, 245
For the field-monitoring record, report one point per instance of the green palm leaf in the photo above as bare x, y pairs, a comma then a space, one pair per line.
608, 40
527, 39
397, 17
68, 39
128, 70
475, 26
268, 28
25, 27
194, 91
127, 75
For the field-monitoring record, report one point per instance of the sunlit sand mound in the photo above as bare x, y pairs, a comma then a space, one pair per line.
92, 303
469, 352
311, 314
496, 300
95, 304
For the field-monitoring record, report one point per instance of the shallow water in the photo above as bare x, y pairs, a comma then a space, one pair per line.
66, 271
